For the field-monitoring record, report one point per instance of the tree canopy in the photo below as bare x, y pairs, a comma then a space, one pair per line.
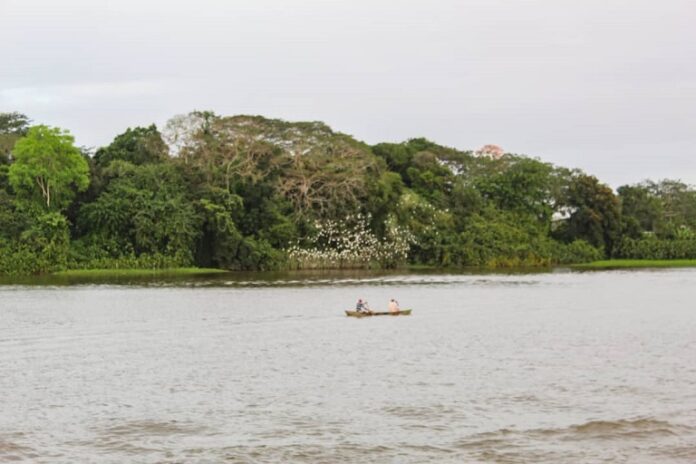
247, 192
12, 127
48, 166
140, 145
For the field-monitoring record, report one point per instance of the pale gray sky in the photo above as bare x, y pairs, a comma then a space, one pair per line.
605, 85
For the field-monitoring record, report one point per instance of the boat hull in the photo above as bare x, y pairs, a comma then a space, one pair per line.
403, 312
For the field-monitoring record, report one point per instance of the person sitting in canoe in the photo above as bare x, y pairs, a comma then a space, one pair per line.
362, 307
393, 306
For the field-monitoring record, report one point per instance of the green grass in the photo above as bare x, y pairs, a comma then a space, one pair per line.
636, 263
176, 271
421, 267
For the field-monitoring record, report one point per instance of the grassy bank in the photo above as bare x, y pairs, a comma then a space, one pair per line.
175, 272
636, 263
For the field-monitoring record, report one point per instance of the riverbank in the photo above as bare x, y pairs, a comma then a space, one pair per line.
196, 271
135, 275
166, 272
636, 264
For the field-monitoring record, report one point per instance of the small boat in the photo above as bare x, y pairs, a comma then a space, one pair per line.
403, 312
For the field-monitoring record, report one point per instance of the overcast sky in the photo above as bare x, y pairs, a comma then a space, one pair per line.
605, 85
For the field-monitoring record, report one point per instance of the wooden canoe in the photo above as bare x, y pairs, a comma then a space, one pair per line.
403, 312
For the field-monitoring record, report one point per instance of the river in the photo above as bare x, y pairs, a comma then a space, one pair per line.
556, 367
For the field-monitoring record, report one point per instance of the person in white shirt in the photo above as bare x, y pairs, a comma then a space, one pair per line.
393, 306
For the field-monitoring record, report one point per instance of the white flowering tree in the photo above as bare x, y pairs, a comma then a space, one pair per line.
350, 244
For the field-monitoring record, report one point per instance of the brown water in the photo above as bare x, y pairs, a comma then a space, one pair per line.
543, 368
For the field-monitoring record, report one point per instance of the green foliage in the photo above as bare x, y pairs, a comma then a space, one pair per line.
655, 248
14, 123
465, 202
397, 155
258, 254
89, 258
43, 246
421, 166
503, 239
143, 210
665, 209
679, 205
595, 214
432, 228
641, 210
48, 168
382, 197
525, 186
578, 251
246, 192
11, 221
13, 126
219, 245
140, 145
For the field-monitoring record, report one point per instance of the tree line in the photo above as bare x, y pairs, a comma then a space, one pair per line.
250, 193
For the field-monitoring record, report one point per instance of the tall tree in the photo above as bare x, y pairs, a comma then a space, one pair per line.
12, 126
144, 209
525, 187
678, 202
48, 167
140, 145
595, 214
641, 210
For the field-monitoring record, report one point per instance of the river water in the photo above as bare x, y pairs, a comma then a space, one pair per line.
559, 367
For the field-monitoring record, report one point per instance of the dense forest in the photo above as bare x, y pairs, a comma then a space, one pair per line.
246, 192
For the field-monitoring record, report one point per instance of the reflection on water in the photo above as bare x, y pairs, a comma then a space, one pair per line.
287, 278
524, 367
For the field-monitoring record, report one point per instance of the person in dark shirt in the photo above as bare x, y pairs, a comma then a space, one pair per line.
361, 306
